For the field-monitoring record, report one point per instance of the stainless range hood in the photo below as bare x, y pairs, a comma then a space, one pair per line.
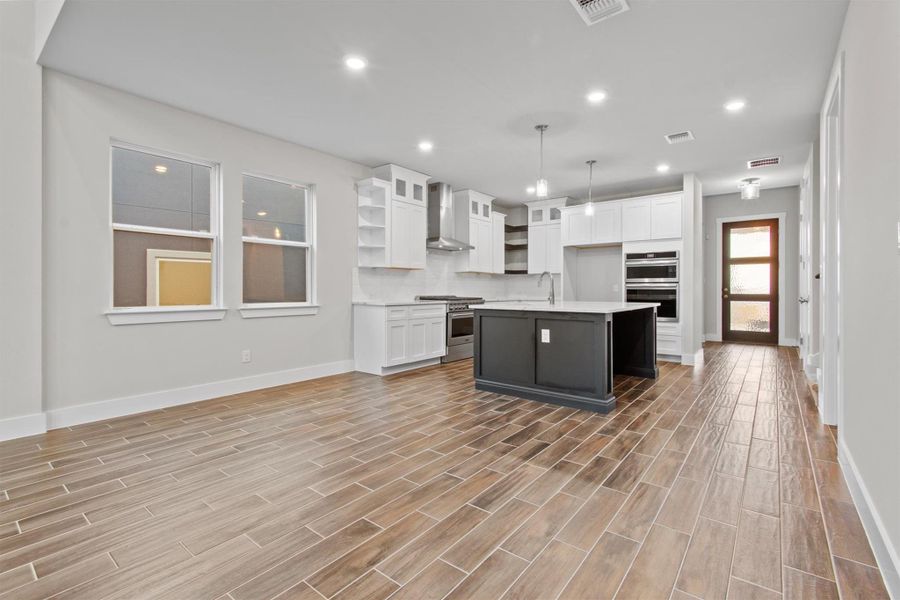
441, 222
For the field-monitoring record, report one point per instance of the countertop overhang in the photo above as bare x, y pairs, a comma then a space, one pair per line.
569, 306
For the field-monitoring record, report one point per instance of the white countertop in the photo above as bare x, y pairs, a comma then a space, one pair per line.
570, 306
397, 302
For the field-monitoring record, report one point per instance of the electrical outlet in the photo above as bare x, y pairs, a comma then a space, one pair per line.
545, 336
245, 356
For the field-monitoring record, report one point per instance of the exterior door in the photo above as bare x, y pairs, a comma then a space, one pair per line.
750, 281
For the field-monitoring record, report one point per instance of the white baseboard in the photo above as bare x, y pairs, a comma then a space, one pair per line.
712, 337
789, 342
129, 405
885, 553
17, 427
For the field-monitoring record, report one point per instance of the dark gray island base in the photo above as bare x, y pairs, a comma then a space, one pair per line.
564, 354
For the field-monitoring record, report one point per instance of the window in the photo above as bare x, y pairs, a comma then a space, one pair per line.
278, 247
165, 237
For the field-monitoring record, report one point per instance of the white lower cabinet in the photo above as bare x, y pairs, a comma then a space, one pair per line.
668, 338
388, 338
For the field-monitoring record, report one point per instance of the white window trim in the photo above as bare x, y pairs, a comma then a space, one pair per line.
169, 314
254, 310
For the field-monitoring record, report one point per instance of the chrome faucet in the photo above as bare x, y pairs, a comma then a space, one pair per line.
552, 297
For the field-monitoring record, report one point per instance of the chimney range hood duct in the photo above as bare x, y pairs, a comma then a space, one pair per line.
441, 222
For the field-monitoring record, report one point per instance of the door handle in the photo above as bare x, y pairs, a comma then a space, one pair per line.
804, 300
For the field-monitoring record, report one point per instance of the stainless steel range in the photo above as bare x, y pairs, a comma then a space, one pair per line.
460, 325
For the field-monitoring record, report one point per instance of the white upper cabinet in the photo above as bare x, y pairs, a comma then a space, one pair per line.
665, 217
596, 223
406, 185
473, 214
408, 230
537, 250
636, 220
554, 248
498, 243
546, 212
545, 235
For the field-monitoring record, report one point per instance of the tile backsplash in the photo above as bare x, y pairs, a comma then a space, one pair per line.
440, 277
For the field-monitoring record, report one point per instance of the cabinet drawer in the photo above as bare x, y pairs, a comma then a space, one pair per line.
668, 328
396, 313
428, 310
668, 344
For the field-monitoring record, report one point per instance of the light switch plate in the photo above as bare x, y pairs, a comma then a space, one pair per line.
545, 336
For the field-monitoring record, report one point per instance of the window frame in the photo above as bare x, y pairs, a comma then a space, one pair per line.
251, 310
134, 315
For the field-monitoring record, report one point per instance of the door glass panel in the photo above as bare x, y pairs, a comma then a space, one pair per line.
750, 242
750, 279
400, 187
537, 215
750, 316
555, 214
474, 208
417, 191
485, 210
461, 326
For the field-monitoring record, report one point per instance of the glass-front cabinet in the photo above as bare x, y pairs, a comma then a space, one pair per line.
406, 185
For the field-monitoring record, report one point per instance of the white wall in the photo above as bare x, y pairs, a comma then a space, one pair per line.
20, 224
776, 200
869, 432
86, 359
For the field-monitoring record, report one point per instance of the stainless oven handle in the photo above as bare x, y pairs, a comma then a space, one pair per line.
651, 261
461, 314
644, 286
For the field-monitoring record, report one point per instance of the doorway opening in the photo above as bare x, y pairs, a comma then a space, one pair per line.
750, 253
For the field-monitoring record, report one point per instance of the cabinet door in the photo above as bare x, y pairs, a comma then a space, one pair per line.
498, 243
537, 249
576, 226
402, 187
554, 249
635, 220
537, 215
665, 217
485, 247
418, 232
399, 254
395, 339
436, 337
607, 224
417, 341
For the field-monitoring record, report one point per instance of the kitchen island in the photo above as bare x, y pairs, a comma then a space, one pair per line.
564, 353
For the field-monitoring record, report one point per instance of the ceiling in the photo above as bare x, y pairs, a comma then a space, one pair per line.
475, 76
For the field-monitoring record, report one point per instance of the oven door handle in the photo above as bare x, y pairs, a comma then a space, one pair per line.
644, 286
651, 261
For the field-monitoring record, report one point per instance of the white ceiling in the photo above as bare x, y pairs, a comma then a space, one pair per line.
475, 76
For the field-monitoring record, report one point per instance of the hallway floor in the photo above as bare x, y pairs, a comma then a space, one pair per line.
708, 482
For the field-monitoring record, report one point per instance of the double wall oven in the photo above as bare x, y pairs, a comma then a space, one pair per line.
460, 325
653, 277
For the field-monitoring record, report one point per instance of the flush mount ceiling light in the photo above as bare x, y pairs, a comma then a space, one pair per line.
596, 97
529, 190
589, 210
161, 168
541, 186
662, 168
749, 188
425, 146
261, 213
355, 63
734, 106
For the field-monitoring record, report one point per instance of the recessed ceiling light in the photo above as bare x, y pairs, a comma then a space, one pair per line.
596, 97
529, 190
355, 63
425, 146
261, 213
160, 168
662, 168
735, 106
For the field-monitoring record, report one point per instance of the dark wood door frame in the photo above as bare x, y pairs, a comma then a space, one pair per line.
770, 337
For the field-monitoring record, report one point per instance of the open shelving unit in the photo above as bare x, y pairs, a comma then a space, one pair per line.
516, 249
374, 196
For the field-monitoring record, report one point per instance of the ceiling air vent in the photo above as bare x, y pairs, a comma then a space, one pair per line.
681, 136
770, 161
594, 11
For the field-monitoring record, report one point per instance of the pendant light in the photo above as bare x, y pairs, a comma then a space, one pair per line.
589, 210
750, 188
541, 188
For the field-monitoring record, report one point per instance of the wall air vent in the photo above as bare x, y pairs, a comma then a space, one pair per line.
771, 161
594, 11
681, 136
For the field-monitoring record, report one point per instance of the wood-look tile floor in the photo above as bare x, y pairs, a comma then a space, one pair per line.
711, 482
